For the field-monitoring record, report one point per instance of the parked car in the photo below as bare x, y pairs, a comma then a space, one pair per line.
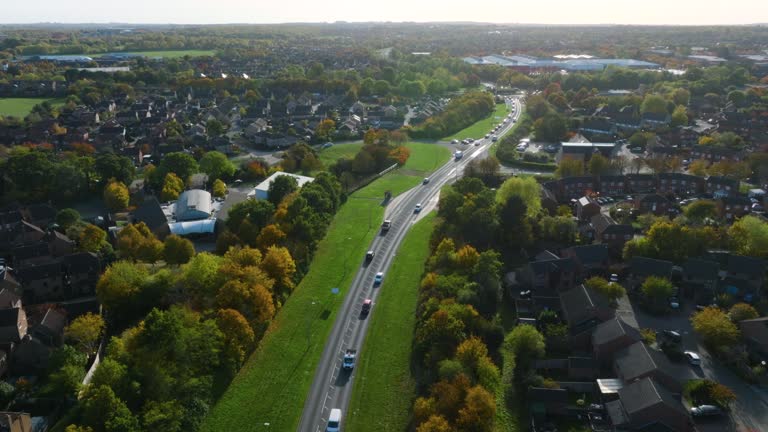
378, 278
674, 303
693, 358
672, 335
706, 411
614, 278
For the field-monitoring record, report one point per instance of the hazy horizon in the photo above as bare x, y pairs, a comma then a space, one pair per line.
555, 12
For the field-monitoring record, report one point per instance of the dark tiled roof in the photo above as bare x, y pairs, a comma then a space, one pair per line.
539, 394
644, 267
552, 266
601, 221
9, 317
82, 262
591, 254
8, 299
41, 271
578, 302
614, 329
54, 321
723, 180
701, 269
620, 229
646, 393
151, 214
581, 362
746, 265
635, 361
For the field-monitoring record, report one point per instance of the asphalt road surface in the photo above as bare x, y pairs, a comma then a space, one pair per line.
332, 386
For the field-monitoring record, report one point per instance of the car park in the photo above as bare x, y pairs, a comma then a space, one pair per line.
693, 358
378, 278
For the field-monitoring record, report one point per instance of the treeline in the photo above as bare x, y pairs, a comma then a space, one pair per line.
381, 150
460, 113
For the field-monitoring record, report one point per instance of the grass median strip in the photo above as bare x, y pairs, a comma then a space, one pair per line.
384, 389
273, 384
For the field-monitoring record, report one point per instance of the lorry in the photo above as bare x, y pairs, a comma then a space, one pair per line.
350, 356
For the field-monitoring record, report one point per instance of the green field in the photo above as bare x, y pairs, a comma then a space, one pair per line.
275, 380
482, 127
165, 54
384, 390
424, 157
20, 107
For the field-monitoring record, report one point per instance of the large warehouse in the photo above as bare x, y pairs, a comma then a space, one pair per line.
194, 204
261, 191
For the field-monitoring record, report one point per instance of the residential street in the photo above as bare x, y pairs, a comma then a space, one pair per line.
750, 411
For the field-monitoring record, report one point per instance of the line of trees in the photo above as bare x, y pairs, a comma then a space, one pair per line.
461, 112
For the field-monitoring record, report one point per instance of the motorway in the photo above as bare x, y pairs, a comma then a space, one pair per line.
331, 386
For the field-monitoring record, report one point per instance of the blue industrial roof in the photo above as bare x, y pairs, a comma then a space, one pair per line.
573, 64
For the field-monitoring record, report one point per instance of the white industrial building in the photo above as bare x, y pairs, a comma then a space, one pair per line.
261, 190
194, 204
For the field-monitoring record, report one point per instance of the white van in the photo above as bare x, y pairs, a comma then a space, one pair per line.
334, 421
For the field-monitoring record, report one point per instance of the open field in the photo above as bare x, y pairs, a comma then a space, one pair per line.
274, 382
424, 157
384, 389
482, 127
331, 154
20, 107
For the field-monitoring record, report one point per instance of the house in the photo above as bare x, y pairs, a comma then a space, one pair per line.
680, 184
608, 232
641, 267
748, 271
258, 126
655, 120
598, 125
700, 278
589, 259
755, 332
715, 154
583, 151
50, 330
719, 187
732, 207
652, 203
583, 309
575, 187
636, 362
640, 183
15, 422
40, 215
586, 208
13, 327
8, 283
612, 336
549, 274
582, 368
646, 405
153, 216
545, 402
41, 282
612, 185
81, 273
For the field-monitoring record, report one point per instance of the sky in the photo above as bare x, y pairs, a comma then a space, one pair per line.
685, 12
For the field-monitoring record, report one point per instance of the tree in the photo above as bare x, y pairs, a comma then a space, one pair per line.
172, 187
177, 250
257, 212
281, 187
112, 374
479, 411
67, 217
120, 284
76, 428
179, 163
681, 96
698, 167
525, 344
252, 300
569, 167
435, 423
550, 128
749, 236
111, 166
526, 188
270, 235
325, 129
598, 165
715, 328
657, 289
611, 290
116, 196
699, 211
654, 103
217, 166
238, 335
279, 265
214, 127
91, 238
219, 189
137, 242
679, 116
742, 311
85, 331
162, 416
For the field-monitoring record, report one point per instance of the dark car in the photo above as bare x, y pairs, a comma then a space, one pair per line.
366, 306
672, 336
369, 256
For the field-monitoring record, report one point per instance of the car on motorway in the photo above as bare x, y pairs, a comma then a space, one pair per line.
494, 138
334, 421
378, 278
369, 256
693, 358
705, 411
458, 154
386, 225
455, 141
487, 136
417, 209
425, 181
366, 309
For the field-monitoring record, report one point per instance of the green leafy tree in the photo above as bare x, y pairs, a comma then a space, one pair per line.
742, 311
217, 166
219, 188
172, 187
569, 167
611, 290
116, 196
679, 116
214, 127
85, 331
749, 236
598, 164
177, 250
655, 104
162, 416
657, 289
715, 328
67, 217
526, 188
550, 128
91, 238
111, 166
281, 187
525, 344
700, 210
136, 241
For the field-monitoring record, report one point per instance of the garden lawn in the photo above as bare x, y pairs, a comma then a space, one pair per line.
331, 154
20, 107
482, 127
273, 384
384, 390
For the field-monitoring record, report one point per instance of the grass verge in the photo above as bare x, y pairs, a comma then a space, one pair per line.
482, 127
384, 389
330, 155
20, 107
273, 384
426, 157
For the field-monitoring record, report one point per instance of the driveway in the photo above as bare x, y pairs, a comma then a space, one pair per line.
749, 413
